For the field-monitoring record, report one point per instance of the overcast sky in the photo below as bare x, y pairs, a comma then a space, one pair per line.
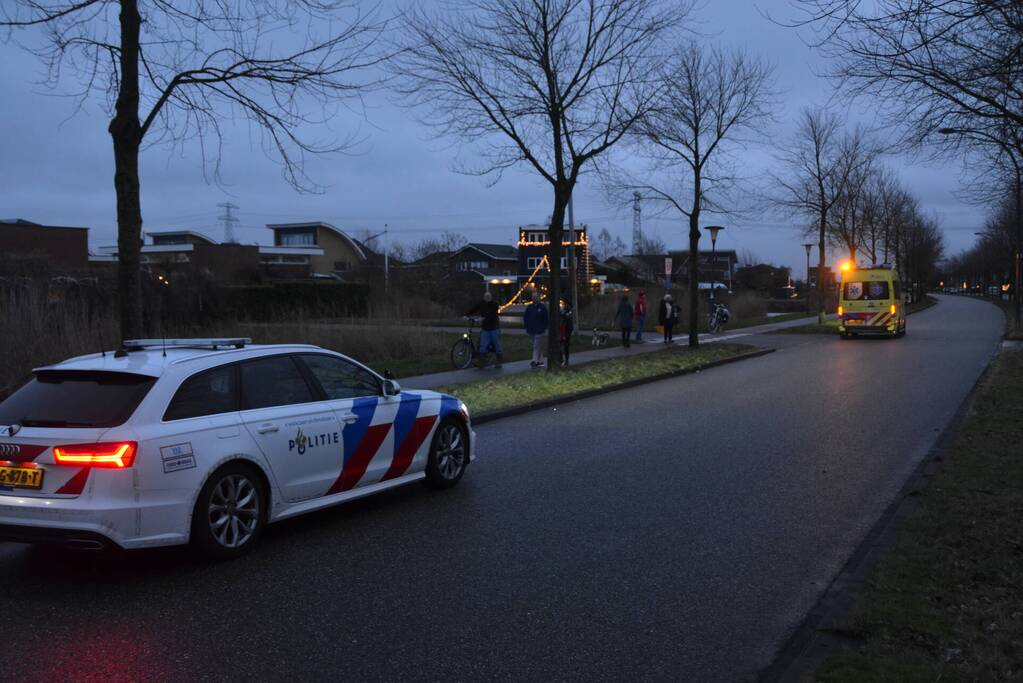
58, 169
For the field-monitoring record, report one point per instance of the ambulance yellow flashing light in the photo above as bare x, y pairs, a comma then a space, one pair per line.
846, 266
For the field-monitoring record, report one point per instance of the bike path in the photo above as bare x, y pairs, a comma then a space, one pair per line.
654, 343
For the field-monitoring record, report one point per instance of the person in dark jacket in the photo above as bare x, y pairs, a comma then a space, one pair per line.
535, 321
565, 329
623, 319
667, 317
490, 326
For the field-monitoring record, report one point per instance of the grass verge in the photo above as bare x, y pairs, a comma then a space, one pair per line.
946, 601
1009, 308
515, 347
523, 389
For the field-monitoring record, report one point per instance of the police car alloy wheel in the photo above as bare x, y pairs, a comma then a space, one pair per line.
230, 512
449, 455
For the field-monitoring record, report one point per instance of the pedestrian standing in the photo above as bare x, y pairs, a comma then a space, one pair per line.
639, 315
535, 320
623, 319
663, 315
674, 313
565, 330
490, 327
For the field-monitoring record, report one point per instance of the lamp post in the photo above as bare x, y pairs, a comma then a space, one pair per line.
1010, 152
808, 247
714, 230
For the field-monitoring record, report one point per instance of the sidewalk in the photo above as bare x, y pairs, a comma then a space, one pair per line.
654, 344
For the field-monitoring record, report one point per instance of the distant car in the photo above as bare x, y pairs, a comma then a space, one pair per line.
166, 442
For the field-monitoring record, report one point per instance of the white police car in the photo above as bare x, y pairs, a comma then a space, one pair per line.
166, 442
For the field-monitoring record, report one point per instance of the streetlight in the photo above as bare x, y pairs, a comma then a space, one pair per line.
808, 247
1011, 153
714, 230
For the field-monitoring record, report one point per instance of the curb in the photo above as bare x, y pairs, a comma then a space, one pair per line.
822, 631
930, 301
491, 415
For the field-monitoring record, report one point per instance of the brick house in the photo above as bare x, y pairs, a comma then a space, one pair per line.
533, 244
56, 248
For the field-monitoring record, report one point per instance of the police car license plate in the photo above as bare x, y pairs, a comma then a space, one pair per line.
21, 477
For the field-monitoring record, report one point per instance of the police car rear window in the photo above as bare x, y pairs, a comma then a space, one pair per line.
866, 291
56, 398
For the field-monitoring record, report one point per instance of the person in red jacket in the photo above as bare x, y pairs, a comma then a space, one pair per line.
639, 313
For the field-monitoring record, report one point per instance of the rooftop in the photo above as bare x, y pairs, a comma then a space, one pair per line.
500, 251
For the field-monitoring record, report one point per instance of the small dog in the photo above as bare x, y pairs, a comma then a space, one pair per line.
599, 338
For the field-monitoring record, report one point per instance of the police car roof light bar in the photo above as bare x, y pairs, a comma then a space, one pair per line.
211, 343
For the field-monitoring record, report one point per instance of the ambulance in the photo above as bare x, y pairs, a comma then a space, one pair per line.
870, 302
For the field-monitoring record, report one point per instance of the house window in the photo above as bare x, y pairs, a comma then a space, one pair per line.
296, 239
533, 262
536, 236
471, 265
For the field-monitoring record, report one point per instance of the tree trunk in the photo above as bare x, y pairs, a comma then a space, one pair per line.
556, 232
126, 133
694, 279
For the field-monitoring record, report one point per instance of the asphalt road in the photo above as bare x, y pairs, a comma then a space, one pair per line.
676, 531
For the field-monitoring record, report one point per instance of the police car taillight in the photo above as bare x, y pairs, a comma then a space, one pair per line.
119, 454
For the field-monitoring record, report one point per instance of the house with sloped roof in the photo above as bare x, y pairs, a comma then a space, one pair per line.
485, 260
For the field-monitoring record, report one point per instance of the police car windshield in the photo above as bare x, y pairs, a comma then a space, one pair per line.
55, 398
866, 291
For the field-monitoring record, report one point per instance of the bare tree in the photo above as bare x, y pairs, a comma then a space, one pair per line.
447, 242
849, 215
814, 177
172, 72
604, 245
922, 245
552, 85
747, 257
930, 63
651, 245
708, 101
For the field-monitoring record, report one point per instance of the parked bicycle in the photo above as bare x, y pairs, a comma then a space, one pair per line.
717, 317
465, 350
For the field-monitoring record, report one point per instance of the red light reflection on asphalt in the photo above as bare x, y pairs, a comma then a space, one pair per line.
96, 652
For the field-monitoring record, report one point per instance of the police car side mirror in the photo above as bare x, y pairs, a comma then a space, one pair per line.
391, 387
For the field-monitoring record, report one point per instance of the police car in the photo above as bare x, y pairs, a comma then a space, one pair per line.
167, 442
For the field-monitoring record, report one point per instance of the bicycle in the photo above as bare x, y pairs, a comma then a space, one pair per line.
717, 317
464, 351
